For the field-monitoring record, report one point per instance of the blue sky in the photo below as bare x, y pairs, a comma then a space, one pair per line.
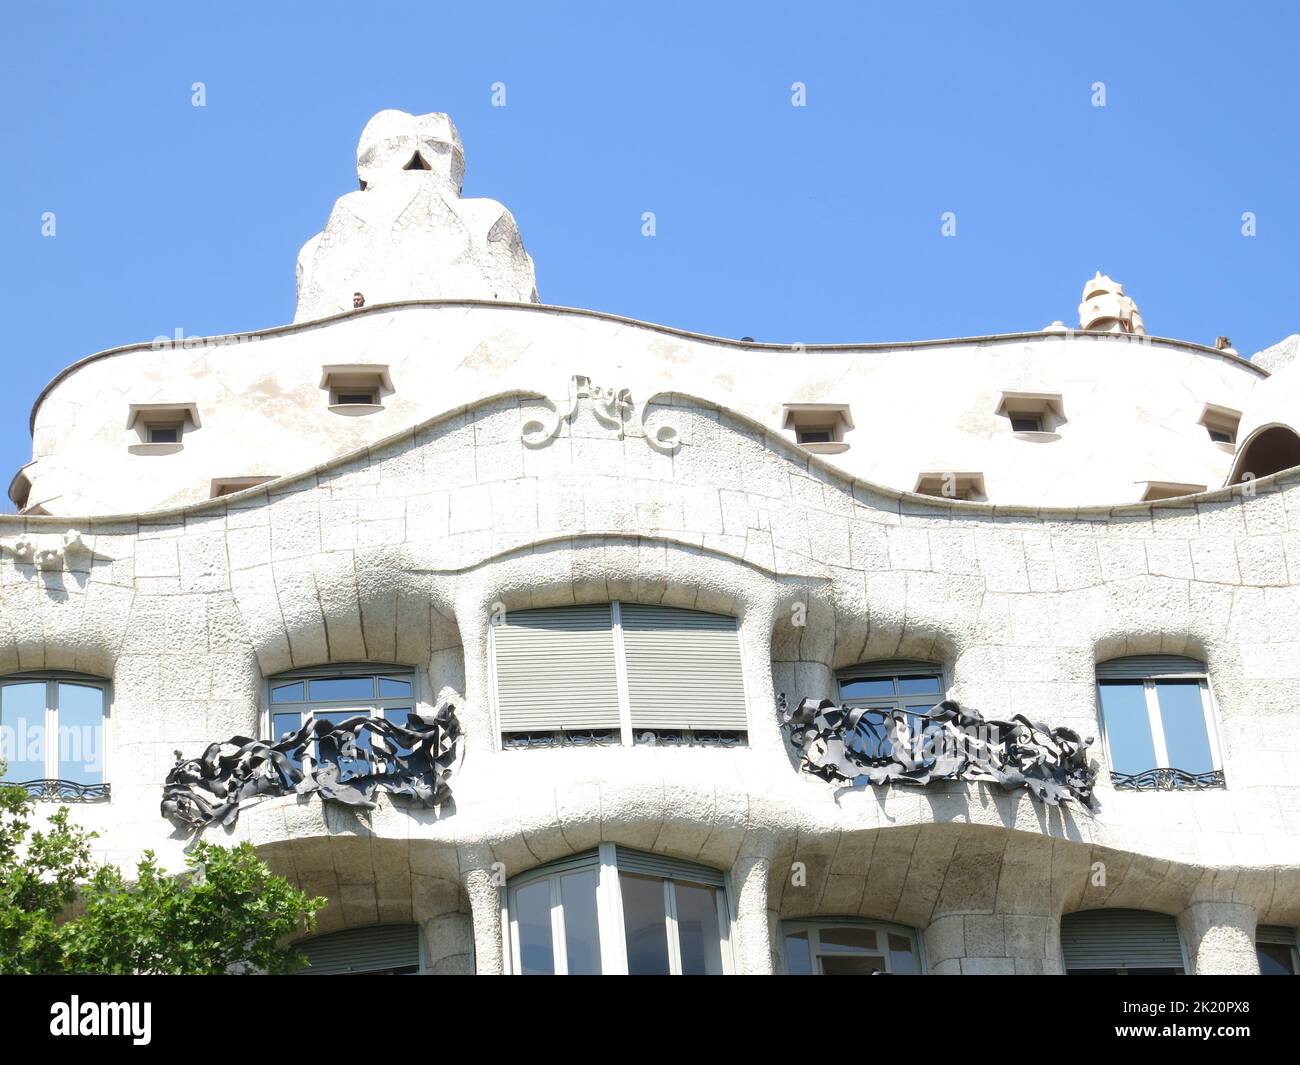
811, 224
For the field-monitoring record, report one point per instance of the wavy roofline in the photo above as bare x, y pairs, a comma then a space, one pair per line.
914, 501
580, 312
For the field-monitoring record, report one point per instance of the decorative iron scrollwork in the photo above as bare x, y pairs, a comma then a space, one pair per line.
346, 763
1168, 780
61, 790
861, 745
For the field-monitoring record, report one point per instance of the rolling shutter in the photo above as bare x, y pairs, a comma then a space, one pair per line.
630, 861
555, 670
1114, 939
683, 669
1138, 667
1279, 934
362, 950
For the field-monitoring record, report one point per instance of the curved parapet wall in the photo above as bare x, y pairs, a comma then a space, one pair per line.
1120, 413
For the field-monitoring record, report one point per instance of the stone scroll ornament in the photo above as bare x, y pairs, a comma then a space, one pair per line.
613, 408
863, 745
346, 763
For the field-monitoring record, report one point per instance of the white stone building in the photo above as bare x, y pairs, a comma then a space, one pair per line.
612, 545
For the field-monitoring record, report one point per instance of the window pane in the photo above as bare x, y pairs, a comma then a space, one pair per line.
924, 685
697, 930
532, 914
333, 689
1124, 709
22, 730
348, 767
581, 931
1275, 959
81, 733
867, 689
1183, 719
798, 961
901, 959
284, 723
390, 688
848, 939
287, 693
851, 964
644, 925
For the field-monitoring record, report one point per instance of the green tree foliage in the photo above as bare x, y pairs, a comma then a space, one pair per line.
59, 913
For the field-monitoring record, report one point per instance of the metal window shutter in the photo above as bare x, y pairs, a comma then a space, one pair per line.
1139, 666
361, 950
630, 861
683, 669
555, 670
892, 667
1110, 939
1279, 934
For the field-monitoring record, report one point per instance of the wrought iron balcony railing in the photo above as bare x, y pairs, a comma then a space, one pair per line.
61, 790
1168, 780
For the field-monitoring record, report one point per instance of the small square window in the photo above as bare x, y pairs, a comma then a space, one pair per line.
1026, 423
813, 436
164, 434
356, 388
1221, 424
354, 397
1031, 412
818, 427
950, 485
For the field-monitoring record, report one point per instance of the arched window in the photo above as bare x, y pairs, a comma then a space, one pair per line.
1157, 721
849, 946
378, 950
1269, 450
336, 693
1115, 942
615, 910
54, 735
617, 673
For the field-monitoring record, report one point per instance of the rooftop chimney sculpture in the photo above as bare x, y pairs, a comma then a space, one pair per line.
1106, 308
407, 234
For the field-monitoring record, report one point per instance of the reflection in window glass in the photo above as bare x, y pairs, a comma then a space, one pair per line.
697, 930
644, 924
581, 930
1275, 959
81, 733
1128, 728
872, 688
287, 693
850, 938
901, 958
337, 689
798, 957
851, 964
928, 685
22, 730
1183, 719
849, 948
392, 688
532, 914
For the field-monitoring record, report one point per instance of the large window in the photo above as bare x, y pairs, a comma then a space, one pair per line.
619, 911
902, 684
617, 673
337, 693
378, 950
1157, 717
1277, 949
1121, 942
848, 946
53, 735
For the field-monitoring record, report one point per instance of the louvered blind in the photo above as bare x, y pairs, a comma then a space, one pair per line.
1139, 666
1113, 939
630, 861
1276, 933
555, 670
683, 669
362, 950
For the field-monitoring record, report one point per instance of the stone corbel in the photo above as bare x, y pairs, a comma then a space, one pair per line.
45, 551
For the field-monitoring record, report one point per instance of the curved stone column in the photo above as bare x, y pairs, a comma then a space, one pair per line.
1219, 938
753, 943
482, 885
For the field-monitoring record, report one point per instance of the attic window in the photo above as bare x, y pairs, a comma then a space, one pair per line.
1221, 423
1031, 412
161, 427
818, 427
1168, 490
356, 388
950, 485
226, 486
417, 163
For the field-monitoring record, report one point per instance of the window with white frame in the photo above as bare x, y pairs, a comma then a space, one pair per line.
338, 693
619, 911
1276, 946
617, 673
1158, 723
54, 735
905, 684
849, 946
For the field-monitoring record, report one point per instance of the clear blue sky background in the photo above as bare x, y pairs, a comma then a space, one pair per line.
814, 224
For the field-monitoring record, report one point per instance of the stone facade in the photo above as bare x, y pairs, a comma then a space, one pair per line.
472, 492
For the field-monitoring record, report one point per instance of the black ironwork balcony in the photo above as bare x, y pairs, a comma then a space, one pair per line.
61, 790
1168, 780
